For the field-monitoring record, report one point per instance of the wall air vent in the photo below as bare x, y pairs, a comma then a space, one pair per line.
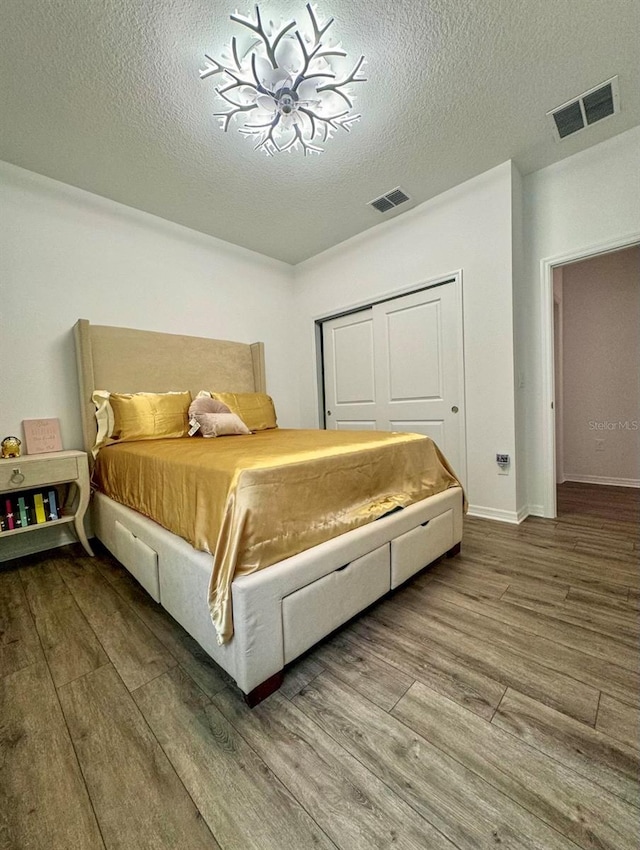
389, 201
590, 107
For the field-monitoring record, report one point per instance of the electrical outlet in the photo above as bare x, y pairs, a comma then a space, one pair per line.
503, 462
599, 445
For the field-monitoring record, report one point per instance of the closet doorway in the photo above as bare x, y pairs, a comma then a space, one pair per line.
597, 395
397, 365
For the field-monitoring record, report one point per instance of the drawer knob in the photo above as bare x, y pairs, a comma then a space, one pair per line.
16, 476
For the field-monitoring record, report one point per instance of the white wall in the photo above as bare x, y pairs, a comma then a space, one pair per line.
467, 228
601, 355
67, 254
584, 201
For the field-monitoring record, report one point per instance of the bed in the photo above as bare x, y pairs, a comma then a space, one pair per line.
279, 612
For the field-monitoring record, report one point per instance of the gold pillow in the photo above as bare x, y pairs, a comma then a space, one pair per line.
125, 417
255, 409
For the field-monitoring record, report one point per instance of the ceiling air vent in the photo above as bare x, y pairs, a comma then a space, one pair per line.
389, 201
592, 106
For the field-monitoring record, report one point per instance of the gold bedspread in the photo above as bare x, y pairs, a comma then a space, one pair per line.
253, 501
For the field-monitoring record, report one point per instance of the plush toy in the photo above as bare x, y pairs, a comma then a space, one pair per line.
212, 418
10, 447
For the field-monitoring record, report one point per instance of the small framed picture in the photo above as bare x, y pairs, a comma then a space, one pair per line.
42, 435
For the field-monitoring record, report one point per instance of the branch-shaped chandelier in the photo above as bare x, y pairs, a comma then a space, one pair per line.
281, 83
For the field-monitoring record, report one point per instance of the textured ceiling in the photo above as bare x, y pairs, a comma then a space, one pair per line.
105, 95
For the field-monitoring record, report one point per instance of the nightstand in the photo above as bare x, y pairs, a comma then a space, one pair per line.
47, 470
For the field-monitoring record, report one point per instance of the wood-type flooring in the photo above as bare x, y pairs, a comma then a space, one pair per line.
490, 702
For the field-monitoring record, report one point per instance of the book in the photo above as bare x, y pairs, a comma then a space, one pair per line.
39, 507
17, 519
9, 515
42, 435
22, 510
54, 509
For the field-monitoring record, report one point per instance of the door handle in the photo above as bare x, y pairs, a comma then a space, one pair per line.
454, 409
328, 413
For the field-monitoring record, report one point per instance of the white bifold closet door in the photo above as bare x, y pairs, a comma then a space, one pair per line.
397, 366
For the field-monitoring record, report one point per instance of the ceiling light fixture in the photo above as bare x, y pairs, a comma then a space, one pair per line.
282, 82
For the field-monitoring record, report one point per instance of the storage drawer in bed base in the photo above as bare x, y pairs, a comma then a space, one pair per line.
412, 551
317, 609
141, 560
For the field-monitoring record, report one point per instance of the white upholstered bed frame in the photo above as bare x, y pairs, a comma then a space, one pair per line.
279, 612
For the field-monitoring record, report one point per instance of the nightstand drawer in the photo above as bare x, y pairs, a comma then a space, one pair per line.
37, 472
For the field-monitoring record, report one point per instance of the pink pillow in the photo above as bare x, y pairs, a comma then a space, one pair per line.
220, 424
203, 404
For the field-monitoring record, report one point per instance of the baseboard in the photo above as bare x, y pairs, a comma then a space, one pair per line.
494, 513
536, 510
602, 479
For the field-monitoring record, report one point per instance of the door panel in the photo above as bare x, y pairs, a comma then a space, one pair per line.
417, 365
397, 366
349, 368
353, 352
434, 429
413, 349
357, 425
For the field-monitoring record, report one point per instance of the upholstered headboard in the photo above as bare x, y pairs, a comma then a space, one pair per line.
125, 360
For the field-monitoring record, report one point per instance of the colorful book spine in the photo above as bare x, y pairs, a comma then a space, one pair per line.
54, 509
22, 510
9, 515
39, 506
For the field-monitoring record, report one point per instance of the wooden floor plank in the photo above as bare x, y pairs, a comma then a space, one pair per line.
187, 652
19, 643
619, 721
355, 808
482, 586
584, 600
494, 660
299, 674
597, 673
135, 652
579, 809
43, 798
138, 799
70, 645
429, 662
587, 751
501, 574
382, 683
537, 623
461, 805
244, 804
634, 598
597, 503
552, 562
620, 629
